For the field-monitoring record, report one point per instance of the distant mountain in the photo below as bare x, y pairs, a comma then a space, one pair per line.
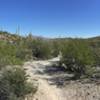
94, 39
6, 36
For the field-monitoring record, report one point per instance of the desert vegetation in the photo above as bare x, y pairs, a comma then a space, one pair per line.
14, 85
78, 56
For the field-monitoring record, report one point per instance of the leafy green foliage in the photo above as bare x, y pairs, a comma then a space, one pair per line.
94, 43
56, 48
8, 54
41, 49
13, 81
76, 55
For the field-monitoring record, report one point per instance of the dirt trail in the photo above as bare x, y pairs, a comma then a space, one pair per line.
45, 90
49, 91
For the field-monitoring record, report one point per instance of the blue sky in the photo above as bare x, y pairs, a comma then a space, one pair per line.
51, 18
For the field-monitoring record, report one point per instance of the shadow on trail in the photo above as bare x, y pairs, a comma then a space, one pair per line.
58, 75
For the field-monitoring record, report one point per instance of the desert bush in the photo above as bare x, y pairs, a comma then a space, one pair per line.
56, 48
23, 54
14, 85
14, 54
77, 57
8, 54
41, 49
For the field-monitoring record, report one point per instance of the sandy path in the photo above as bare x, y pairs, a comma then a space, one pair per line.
45, 90
73, 91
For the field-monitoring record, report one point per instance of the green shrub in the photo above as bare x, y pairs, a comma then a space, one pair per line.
15, 83
41, 49
14, 54
8, 54
4, 90
76, 55
56, 48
